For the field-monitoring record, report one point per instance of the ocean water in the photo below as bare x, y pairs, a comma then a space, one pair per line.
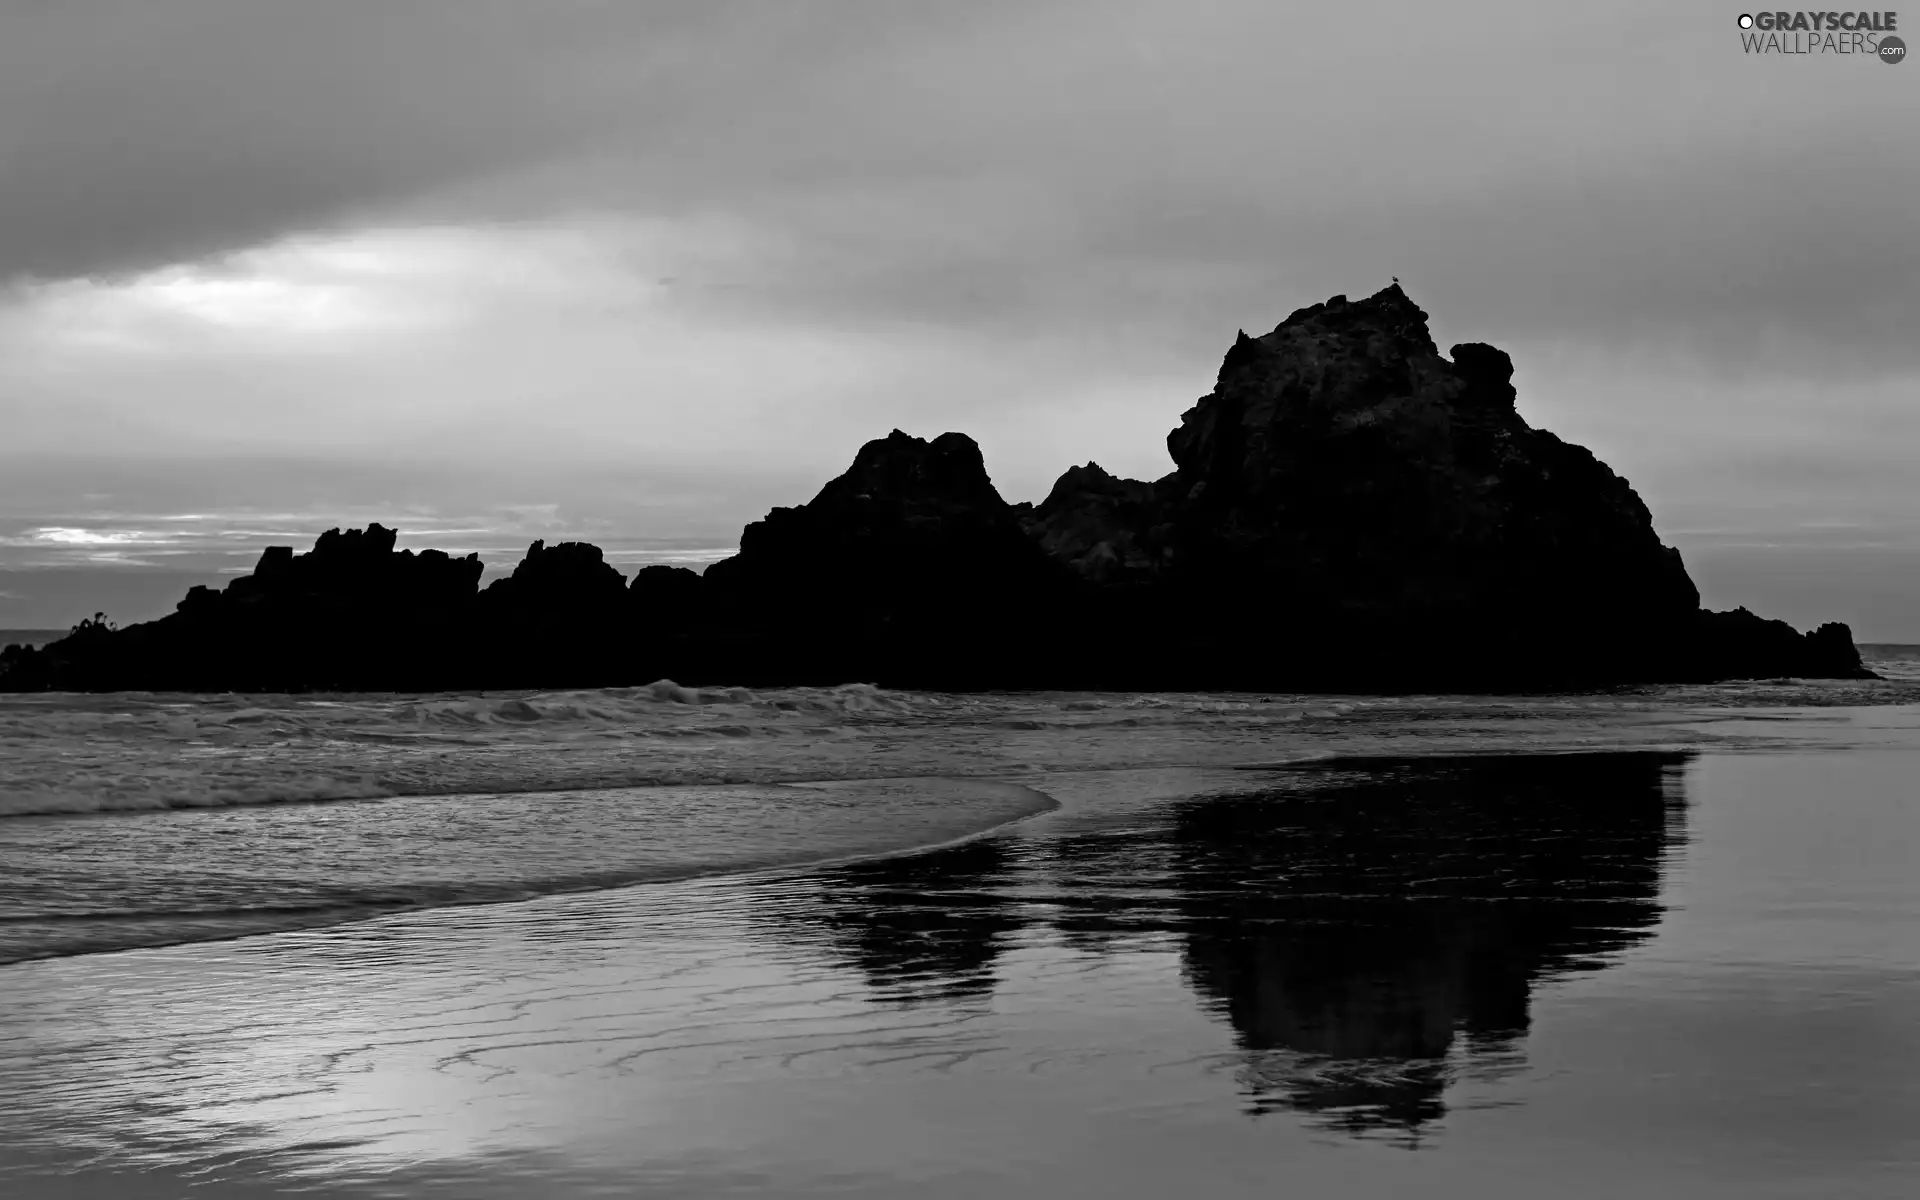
138, 819
846, 941
29, 637
1894, 661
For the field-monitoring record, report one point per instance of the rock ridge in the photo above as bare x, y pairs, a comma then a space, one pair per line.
1349, 510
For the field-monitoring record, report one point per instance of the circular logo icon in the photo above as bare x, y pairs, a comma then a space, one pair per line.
1746, 20
1892, 50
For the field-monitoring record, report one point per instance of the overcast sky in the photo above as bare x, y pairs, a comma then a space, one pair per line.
493, 269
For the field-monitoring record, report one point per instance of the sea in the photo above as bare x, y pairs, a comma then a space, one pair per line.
851, 941
30, 637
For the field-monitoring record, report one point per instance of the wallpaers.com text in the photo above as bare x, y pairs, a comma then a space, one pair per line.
1864, 33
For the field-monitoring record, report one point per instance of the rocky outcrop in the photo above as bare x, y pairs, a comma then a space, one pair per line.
668, 595
352, 612
1354, 482
911, 524
1347, 468
1106, 530
1740, 645
353, 568
910, 562
559, 617
557, 581
1349, 510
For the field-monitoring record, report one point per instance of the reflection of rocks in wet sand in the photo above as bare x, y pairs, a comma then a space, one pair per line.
1351, 922
920, 928
1370, 929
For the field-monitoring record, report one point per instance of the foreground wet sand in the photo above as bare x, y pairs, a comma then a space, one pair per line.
1652, 974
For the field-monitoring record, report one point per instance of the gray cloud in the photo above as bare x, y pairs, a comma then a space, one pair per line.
1168, 170
1088, 196
139, 132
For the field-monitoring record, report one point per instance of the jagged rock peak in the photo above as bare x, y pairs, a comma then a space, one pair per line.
558, 576
949, 469
1387, 308
1385, 327
373, 542
1077, 484
1343, 463
1093, 475
913, 534
358, 557
566, 560
1386, 324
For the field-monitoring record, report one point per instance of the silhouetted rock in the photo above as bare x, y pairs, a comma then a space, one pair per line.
668, 594
560, 619
1349, 510
1348, 480
355, 568
571, 577
1108, 530
908, 516
350, 613
1738, 644
910, 562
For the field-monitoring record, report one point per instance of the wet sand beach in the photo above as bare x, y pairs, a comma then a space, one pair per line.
1651, 973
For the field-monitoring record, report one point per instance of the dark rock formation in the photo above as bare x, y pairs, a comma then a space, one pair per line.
908, 523
910, 563
1108, 530
351, 612
1352, 509
1740, 645
1372, 490
1346, 469
556, 581
559, 617
347, 569
672, 619
1349, 510
670, 595
355, 614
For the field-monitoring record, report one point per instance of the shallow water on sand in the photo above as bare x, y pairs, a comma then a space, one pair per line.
144, 821
86, 884
1658, 973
